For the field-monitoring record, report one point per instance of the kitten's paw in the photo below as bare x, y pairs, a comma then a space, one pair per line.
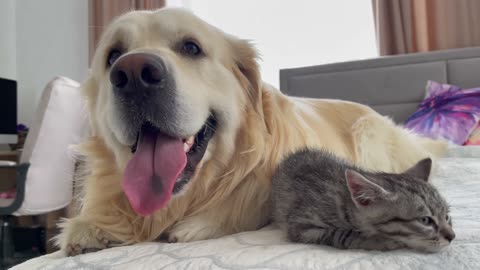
377, 243
79, 237
389, 245
194, 229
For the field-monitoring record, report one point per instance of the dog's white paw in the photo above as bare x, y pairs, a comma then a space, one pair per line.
194, 229
79, 237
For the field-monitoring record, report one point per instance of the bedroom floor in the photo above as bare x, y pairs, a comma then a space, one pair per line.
20, 243
18, 258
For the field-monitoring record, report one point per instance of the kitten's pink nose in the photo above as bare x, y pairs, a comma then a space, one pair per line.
448, 234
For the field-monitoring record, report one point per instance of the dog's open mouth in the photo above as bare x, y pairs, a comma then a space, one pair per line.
162, 165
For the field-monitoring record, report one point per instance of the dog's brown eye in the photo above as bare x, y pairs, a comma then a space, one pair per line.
191, 48
113, 55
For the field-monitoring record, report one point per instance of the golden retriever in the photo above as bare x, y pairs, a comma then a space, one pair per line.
186, 135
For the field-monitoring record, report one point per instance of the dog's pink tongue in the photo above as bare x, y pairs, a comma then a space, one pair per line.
151, 173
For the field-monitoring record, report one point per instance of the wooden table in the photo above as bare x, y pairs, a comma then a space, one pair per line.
8, 176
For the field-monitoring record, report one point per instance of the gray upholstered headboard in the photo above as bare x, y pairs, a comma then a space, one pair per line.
393, 86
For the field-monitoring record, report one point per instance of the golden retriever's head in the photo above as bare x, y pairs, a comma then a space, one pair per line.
172, 90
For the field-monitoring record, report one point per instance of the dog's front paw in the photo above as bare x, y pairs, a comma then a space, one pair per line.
79, 237
194, 229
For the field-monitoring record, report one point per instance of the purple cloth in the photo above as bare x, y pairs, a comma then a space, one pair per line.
447, 112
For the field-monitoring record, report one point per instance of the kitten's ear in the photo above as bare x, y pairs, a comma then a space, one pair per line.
363, 191
421, 169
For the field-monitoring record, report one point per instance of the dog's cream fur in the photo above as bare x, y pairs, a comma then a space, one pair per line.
258, 125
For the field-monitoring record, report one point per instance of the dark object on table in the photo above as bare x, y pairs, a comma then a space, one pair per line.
22, 132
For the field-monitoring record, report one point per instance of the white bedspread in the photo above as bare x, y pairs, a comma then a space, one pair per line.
457, 178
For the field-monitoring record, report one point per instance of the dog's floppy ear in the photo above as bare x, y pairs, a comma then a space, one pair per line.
247, 71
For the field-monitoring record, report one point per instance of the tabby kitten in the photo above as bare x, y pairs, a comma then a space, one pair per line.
321, 199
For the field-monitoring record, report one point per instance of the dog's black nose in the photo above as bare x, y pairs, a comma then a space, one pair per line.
137, 72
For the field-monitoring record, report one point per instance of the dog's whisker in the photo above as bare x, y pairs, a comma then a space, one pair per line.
226, 174
247, 151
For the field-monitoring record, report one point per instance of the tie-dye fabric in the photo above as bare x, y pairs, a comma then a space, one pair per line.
447, 112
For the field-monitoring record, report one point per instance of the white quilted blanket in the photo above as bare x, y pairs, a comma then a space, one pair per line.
457, 177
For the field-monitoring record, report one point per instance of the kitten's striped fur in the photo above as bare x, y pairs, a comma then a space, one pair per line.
319, 198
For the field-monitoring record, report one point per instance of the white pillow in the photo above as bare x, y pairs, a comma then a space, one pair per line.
60, 122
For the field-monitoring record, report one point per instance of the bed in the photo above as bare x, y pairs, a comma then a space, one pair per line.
393, 86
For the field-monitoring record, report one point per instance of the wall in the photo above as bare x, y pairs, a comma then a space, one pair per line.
51, 36
46, 38
295, 33
8, 67
52, 39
